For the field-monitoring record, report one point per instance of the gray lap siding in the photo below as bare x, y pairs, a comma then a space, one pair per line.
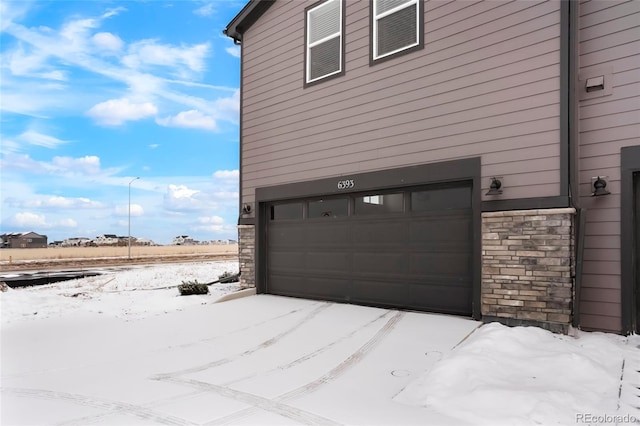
486, 84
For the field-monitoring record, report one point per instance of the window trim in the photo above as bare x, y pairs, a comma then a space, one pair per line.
306, 69
373, 31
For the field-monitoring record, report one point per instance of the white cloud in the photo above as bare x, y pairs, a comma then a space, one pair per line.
32, 137
32, 63
136, 210
206, 10
150, 53
107, 42
183, 198
116, 111
149, 70
211, 220
67, 223
227, 174
227, 108
89, 164
113, 12
27, 219
210, 224
12, 11
181, 191
154, 145
189, 119
233, 51
57, 202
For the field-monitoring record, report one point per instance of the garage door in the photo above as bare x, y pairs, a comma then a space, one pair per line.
408, 248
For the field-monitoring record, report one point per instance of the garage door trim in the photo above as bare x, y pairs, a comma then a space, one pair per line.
399, 178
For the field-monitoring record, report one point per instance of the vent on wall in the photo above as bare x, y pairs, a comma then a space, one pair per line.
595, 83
598, 82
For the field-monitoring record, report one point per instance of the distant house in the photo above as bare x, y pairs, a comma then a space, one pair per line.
23, 240
75, 242
184, 240
143, 242
106, 240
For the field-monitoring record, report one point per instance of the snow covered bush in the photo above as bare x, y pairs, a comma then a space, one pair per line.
192, 287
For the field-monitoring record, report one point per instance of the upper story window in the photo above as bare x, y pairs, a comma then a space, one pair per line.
324, 41
397, 27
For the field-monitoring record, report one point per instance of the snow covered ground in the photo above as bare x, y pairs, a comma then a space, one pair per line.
111, 350
126, 293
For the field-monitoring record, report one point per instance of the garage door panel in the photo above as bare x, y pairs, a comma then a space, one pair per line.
380, 264
325, 288
335, 262
444, 298
380, 232
434, 230
287, 235
387, 293
438, 263
330, 233
329, 288
286, 260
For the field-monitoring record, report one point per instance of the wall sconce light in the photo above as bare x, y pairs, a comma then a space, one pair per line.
599, 184
496, 186
246, 208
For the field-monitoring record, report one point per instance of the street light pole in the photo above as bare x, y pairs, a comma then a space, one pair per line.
130, 214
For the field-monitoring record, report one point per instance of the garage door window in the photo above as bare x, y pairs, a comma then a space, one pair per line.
441, 199
336, 207
379, 204
286, 211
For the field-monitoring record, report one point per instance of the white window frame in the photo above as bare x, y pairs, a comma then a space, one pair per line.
377, 17
308, 45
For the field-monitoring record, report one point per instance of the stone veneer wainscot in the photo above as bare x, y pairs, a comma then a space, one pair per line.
528, 267
247, 250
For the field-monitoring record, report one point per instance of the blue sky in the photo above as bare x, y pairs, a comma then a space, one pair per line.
96, 93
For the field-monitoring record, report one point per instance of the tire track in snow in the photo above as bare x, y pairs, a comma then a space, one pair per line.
310, 355
248, 352
248, 327
349, 362
629, 390
104, 404
83, 421
310, 387
257, 402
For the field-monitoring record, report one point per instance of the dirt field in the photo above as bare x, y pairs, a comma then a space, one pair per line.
74, 257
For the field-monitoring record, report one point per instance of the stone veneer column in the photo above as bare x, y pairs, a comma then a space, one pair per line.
247, 255
528, 267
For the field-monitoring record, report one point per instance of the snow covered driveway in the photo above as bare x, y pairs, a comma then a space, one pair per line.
114, 357
255, 360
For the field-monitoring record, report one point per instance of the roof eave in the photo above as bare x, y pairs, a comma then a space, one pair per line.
246, 18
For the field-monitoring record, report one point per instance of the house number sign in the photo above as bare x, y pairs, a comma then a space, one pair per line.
346, 184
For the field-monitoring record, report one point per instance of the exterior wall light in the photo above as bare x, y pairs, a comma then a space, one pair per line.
496, 186
599, 184
246, 208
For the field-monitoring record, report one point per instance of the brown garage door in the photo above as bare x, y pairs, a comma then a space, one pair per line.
410, 248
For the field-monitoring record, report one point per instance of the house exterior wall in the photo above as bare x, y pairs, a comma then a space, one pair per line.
27, 240
486, 84
489, 83
609, 45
